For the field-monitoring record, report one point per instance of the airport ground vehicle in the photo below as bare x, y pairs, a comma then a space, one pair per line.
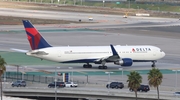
90, 18
19, 83
115, 85
142, 88
58, 84
125, 16
176, 93
71, 84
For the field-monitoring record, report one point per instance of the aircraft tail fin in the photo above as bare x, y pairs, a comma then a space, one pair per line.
34, 37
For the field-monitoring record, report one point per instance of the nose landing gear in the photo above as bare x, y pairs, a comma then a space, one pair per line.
153, 64
102, 67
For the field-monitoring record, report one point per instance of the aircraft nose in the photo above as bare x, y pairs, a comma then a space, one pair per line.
163, 54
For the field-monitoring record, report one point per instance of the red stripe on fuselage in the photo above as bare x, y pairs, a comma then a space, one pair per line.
35, 35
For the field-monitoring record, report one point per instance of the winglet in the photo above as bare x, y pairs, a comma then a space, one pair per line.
113, 50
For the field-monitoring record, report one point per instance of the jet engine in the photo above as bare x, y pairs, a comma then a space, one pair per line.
124, 62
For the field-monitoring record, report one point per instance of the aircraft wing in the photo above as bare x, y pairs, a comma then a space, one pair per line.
113, 58
19, 50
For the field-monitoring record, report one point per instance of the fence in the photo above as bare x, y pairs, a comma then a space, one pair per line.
45, 78
27, 77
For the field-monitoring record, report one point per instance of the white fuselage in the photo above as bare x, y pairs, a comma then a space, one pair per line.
87, 54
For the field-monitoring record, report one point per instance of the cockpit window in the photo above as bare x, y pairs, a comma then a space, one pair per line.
161, 51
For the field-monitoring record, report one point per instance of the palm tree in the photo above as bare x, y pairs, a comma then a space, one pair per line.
155, 79
134, 81
2, 70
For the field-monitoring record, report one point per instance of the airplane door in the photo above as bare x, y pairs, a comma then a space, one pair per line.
154, 54
59, 53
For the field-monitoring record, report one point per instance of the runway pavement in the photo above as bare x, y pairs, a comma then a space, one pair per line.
75, 16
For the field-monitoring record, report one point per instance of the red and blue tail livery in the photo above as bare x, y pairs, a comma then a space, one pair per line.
35, 39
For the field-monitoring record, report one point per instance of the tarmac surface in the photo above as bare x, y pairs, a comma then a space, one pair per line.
111, 29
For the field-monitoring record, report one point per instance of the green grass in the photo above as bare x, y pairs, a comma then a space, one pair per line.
22, 59
161, 7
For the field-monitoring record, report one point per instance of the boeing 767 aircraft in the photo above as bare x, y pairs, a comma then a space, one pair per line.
119, 55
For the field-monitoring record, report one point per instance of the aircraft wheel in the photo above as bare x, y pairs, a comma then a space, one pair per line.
104, 67
153, 65
85, 66
100, 67
90, 66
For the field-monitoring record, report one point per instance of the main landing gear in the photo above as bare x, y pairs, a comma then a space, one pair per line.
87, 65
90, 66
153, 64
102, 67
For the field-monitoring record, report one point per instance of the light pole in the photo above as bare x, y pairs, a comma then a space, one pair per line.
121, 73
55, 79
17, 70
74, 2
108, 80
176, 72
23, 72
103, 2
1, 83
129, 3
71, 73
138, 8
5, 76
158, 9
87, 78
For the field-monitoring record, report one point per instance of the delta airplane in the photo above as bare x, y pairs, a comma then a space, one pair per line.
119, 55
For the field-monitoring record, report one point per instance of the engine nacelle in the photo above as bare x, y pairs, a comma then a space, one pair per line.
125, 62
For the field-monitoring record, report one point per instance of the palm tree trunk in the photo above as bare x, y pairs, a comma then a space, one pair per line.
1, 87
136, 94
158, 91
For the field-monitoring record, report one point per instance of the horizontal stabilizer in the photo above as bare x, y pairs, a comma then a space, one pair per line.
37, 53
19, 50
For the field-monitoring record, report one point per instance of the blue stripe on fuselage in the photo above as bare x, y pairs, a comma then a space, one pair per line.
93, 60
143, 60
81, 61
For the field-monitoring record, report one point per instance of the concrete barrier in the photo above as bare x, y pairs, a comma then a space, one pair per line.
141, 14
